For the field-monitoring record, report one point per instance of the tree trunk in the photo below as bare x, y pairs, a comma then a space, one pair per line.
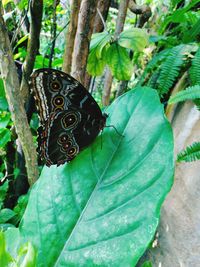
103, 7
70, 36
15, 101
82, 40
36, 9
119, 28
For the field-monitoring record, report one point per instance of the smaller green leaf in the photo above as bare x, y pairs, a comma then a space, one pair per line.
136, 39
5, 257
22, 4
21, 54
5, 2
5, 226
2, 90
95, 66
30, 255
41, 62
34, 123
6, 215
99, 41
5, 137
4, 119
3, 103
118, 59
13, 240
147, 264
189, 93
57, 62
3, 191
19, 209
23, 39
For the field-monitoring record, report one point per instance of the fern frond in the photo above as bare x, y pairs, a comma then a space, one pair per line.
153, 64
192, 34
191, 153
189, 93
195, 69
152, 82
170, 69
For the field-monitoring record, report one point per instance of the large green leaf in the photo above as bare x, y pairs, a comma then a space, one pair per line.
102, 209
135, 38
5, 136
117, 57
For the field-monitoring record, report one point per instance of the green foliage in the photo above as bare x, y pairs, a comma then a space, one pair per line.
153, 64
147, 264
191, 153
3, 191
26, 254
6, 215
96, 59
19, 209
170, 69
177, 16
5, 257
189, 93
5, 137
193, 33
195, 69
100, 205
104, 51
119, 62
134, 38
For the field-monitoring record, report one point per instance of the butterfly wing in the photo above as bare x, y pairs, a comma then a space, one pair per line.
55, 91
70, 117
65, 134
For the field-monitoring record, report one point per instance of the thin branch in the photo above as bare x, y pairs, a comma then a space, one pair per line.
20, 25
53, 33
49, 44
102, 19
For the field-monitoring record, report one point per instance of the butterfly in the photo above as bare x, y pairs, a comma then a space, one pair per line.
69, 116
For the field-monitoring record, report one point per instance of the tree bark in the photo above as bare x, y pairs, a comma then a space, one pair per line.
36, 9
70, 36
103, 7
123, 6
15, 101
82, 40
144, 11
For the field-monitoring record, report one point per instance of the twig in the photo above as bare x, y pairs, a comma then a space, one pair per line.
53, 33
102, 19
49, 44
36, 8
20, 24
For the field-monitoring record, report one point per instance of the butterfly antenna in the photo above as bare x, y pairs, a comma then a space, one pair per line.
101, 139
115, 130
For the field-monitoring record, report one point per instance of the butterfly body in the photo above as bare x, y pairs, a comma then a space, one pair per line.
69, 116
